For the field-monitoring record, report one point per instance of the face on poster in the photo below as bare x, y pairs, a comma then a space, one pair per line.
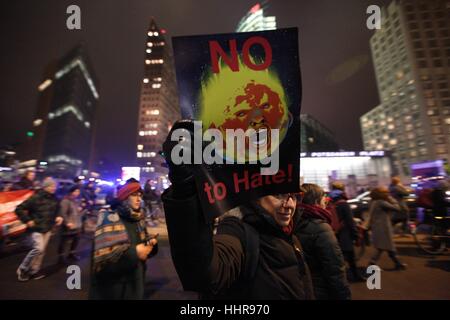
243, 83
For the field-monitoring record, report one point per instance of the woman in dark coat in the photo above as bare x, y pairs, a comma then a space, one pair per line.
253, 255
121, 248
347, 233
322, 251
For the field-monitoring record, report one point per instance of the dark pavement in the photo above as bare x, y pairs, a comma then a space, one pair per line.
427, 277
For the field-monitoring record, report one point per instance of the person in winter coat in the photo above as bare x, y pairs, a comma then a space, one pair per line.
399, 192
381, 208
322, 251
70, 210
40, 214
439, 199
347, 233
26, 182
253, 255
121, 248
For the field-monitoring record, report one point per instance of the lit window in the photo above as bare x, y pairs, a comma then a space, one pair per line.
149, 44
156, 33
147, 61
150, 34
44, 85
87, 124
393, 142
139, 154
37, 122
141, 133
380, 146
391, 127
148, 50
140, 147
154, 112
145, 80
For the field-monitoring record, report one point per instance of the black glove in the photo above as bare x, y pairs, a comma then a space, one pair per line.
181, 175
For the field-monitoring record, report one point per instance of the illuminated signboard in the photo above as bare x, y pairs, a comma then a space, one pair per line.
342, 154
131, 172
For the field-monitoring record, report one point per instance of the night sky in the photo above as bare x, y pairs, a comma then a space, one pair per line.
337, 72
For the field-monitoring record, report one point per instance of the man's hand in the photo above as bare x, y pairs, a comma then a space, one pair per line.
143, 250
59, 220
30, 224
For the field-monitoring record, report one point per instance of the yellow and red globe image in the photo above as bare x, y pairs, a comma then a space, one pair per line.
252, 101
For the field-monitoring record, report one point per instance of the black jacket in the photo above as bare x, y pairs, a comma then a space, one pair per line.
324, 258
349, 232
42, 208
218, 265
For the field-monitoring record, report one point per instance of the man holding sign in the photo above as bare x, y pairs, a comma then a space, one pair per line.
239, 161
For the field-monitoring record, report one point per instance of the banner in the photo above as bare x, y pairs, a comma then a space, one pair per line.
10, 225
244, 91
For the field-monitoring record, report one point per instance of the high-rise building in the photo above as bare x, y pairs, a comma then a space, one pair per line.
255, 20
411, 55
65, 118
158, 107
315, 137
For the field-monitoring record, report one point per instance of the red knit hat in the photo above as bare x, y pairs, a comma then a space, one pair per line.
127, 190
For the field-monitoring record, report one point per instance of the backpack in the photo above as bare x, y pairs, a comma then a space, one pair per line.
425, 199
336, 223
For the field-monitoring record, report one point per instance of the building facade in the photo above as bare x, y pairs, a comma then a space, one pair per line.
255, 20
358, 170
158, 106
411, 55
315, 137
62, 132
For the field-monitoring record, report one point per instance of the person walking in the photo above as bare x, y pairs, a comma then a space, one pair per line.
40, 214
70, 211
381, 209
122, 246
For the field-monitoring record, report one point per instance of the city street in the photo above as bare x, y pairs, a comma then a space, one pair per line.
427, 277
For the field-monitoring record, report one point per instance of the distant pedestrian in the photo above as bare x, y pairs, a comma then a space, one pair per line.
381, 209
71, 212
26, 182
347, 232
399, 192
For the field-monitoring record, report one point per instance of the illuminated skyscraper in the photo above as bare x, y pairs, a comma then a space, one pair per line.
63, 128
412, 66
158, 107
255, 20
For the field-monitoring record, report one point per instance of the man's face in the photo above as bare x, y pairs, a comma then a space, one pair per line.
31, 175
281, 208
134, 200
51, 188
75, 194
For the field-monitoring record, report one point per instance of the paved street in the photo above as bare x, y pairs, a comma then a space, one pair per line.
426, 277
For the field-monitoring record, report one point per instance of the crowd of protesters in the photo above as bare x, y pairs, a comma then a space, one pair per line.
280, 246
